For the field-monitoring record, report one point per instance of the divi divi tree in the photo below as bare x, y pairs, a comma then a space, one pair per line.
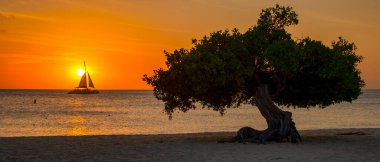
263, 66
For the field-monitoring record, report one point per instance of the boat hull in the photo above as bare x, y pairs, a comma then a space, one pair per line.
84, 91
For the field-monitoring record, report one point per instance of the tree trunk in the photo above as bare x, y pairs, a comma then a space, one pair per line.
280, 123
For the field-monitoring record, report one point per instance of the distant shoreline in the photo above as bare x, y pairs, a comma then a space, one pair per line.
317, 145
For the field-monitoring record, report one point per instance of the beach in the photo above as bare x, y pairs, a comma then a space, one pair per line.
130, 126
318, 145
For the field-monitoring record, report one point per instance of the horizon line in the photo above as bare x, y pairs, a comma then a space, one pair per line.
70, 89
112, 89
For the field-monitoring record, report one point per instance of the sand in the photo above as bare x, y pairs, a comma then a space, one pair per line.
317, 145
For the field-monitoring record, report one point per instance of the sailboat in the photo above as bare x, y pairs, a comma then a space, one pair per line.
84, 86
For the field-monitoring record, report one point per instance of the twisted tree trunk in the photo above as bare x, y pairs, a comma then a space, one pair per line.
280, 123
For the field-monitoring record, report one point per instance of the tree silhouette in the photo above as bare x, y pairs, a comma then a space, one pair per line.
265, 67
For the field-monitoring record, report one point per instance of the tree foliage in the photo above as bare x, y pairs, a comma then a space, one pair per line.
224, 69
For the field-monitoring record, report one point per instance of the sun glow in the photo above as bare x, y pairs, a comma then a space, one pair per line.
80, 72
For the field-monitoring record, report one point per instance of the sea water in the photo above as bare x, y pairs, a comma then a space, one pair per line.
56, 113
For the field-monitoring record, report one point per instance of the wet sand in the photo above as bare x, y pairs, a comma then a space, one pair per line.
317, 145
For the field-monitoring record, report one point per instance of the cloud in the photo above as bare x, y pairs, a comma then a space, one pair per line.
6, 16
10, 16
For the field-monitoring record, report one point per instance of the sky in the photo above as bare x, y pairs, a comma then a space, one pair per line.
44, 42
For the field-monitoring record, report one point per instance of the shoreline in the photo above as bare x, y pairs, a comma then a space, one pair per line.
307, 132
355, 144
325, 132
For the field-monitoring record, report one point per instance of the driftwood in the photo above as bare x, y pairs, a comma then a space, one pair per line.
352, 133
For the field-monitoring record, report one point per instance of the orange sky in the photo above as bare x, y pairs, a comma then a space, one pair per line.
44, 42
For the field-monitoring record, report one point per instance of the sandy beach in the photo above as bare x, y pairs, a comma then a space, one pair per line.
318, 145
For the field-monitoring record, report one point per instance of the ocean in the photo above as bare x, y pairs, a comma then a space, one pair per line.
125, 112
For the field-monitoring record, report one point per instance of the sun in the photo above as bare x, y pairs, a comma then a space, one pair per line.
80, 72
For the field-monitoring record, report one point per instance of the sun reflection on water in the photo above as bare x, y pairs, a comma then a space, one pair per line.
78, 131
77, 119
77, 126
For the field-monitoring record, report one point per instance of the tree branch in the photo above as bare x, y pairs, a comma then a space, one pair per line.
280, 84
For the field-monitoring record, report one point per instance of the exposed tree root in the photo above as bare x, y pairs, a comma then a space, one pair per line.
248, 134
245, 134
280, 123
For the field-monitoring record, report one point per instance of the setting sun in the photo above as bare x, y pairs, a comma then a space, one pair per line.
123, 40
221, 80
80, 72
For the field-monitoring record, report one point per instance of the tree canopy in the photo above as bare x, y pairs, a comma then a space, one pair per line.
224, 69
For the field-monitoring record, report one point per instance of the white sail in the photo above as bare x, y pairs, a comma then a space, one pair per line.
83, 82
90, 83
